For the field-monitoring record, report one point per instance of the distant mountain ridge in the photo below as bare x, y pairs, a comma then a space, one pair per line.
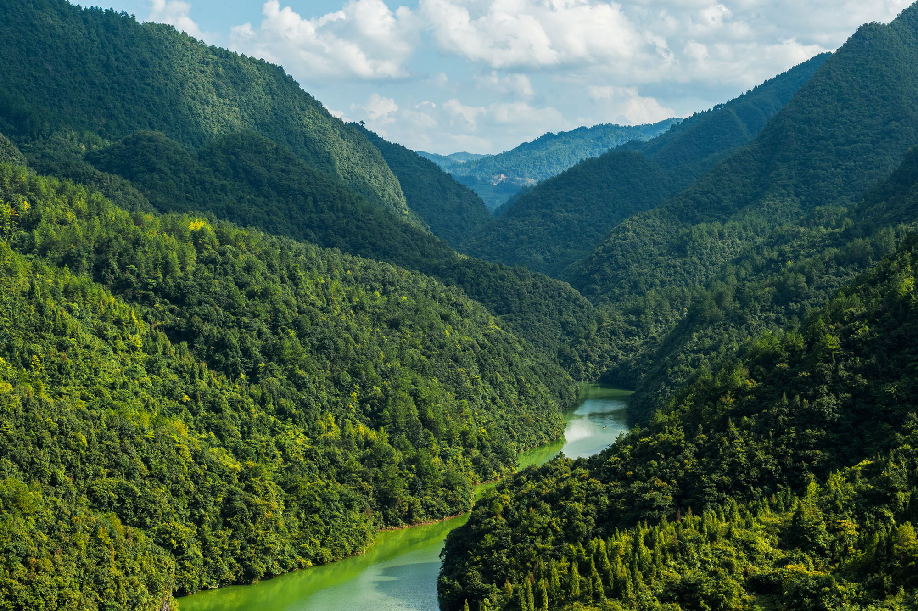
497, 178
562, 219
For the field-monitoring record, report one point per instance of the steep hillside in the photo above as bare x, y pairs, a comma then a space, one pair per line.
193, 128
563, 219
451, 210
188, 404
776, 283
102, 72
847, 129
683, 512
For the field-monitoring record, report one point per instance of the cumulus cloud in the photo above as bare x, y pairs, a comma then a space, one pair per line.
485, 74
379, 109
531, 33
517, 85
175, 13
625, 105
365, 40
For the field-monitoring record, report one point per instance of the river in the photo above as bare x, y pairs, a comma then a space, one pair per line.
399, 571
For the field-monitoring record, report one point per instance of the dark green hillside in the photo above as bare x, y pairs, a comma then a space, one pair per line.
9, 153
451, 210
562, 220
199, 404
102, 72
185, 127
776, 283
252, 181
548, 238
789, 410
847, 129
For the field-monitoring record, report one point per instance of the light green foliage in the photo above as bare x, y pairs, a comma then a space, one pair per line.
231, 405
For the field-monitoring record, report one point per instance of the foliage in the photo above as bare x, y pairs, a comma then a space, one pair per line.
185, 127
789, 410
561, 221
451, 210
230, 405
101, 71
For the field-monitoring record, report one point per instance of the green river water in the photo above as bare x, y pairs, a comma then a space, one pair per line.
399, 571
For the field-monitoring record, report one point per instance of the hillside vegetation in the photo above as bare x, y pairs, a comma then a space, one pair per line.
783, 479
261, 153
563, 219
199, 404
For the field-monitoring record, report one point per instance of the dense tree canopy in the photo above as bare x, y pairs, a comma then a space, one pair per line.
562, 220
682, 513
226, 405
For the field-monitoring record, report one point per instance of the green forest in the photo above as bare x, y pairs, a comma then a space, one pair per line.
239, 337
765, 315
560, 221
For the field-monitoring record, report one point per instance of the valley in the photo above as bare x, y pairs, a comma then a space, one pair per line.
256, 353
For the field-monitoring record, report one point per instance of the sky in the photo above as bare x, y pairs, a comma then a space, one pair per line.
485, 75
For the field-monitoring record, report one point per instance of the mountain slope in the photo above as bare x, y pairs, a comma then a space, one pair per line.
260, 153
775, 284
788, 411
101, 71
451, 210
563, 219
846, 129
199, 404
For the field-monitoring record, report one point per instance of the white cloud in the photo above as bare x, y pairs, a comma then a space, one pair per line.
531, 33
364, 40
484, 75
175, 13
625, 105
516, 85
380, 110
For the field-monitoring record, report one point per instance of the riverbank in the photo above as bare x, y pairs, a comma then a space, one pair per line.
398, 571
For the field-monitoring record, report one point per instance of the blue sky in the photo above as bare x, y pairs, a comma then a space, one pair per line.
485, 75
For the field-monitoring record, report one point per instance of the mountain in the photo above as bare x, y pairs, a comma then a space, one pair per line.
775, 297
497, 178
846, 129
187, 403
447, 162
262, 153
451, 210
783, 479
561, 221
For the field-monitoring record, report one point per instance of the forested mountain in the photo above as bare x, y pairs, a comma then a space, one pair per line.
784, 479
447, 162
776, 283
451, 211
254, 163
563, 219
102, 72
497, 178
777, 381
201, 404
847, 129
